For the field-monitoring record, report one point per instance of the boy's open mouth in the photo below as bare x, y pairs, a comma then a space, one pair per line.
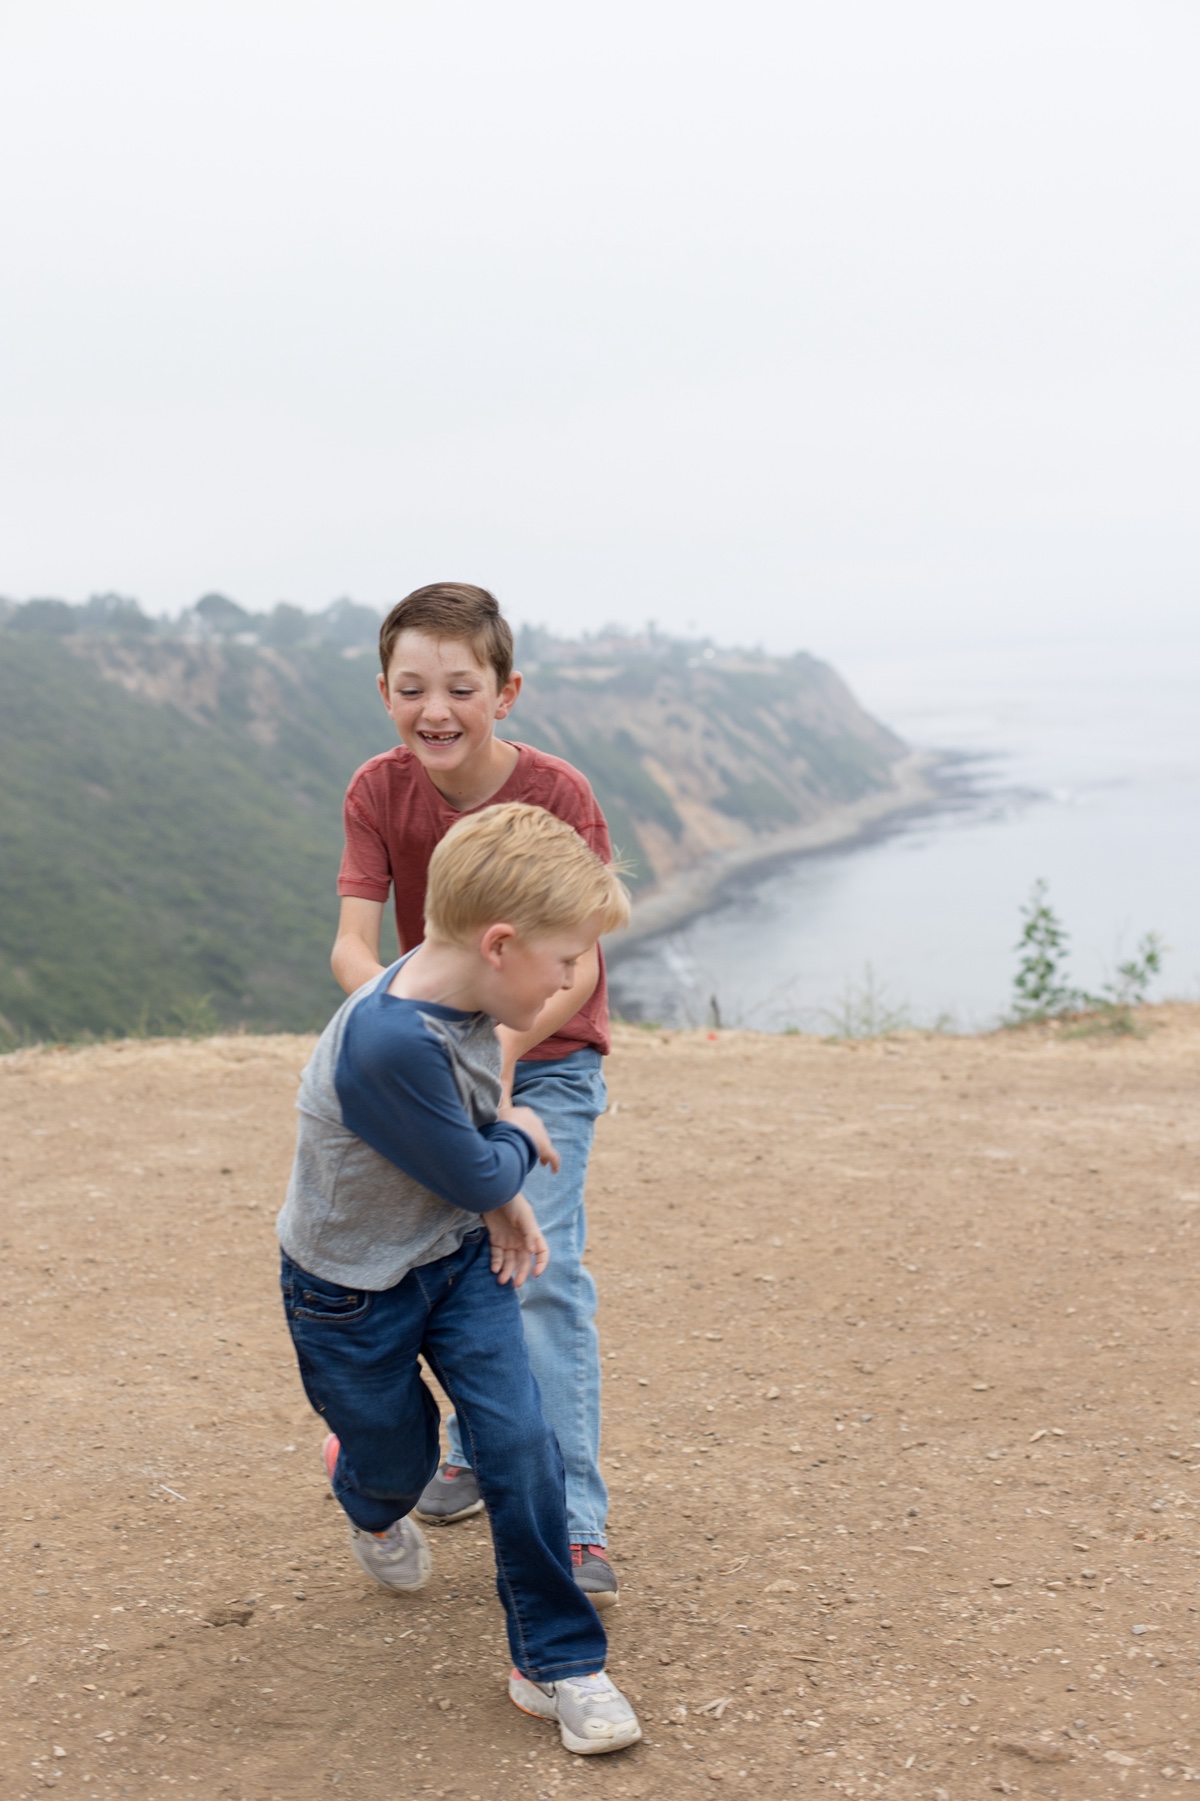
439, 737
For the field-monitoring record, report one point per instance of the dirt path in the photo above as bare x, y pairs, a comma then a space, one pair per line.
902, 1432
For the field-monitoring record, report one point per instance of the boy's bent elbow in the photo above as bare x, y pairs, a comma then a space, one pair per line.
497, 1186
344, 959
354, 958
353, 962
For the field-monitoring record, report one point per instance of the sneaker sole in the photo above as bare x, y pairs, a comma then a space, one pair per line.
543, 1709
603, 1599
588, 1747
448, 1519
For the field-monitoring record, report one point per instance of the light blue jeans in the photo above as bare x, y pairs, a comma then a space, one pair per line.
558, 1309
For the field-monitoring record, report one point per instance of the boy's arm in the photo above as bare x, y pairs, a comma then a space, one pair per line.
355, 955
557, 1011
398, 1094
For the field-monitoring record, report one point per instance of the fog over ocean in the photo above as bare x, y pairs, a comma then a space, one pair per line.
1080, 763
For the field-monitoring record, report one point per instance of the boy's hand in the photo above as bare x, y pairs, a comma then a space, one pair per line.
527, 1119
518, 1248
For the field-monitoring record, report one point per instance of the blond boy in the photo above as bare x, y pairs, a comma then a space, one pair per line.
405, 1234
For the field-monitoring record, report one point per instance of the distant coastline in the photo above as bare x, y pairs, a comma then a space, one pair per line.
695, 890
223, 738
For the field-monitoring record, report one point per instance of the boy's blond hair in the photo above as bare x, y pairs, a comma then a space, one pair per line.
523, 866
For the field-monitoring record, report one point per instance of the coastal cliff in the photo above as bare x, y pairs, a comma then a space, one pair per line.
170, 814
696, 752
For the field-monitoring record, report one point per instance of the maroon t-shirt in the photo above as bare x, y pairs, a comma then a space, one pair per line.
394, 818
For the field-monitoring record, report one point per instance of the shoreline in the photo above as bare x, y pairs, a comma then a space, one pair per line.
694, 891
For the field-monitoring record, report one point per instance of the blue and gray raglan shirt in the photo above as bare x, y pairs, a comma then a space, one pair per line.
399, 1149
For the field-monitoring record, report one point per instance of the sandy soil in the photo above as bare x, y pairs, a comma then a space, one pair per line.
900, 1345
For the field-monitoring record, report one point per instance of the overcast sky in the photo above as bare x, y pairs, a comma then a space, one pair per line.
817, 324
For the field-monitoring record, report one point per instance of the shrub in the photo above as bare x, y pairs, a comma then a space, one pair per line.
1041, 989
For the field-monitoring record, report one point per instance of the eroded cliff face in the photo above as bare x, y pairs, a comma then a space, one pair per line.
171, 807
206, 682
694, 754
690, 751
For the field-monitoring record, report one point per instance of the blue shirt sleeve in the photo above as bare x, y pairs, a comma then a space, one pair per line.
398, 1094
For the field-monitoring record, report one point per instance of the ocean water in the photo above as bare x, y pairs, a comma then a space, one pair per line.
1077, 763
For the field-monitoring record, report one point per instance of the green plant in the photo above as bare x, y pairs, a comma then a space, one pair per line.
194, 1016
866, 1011
1112, 1009
1041, 989
1135, 975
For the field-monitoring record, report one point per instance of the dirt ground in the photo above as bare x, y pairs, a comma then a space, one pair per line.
900, 1354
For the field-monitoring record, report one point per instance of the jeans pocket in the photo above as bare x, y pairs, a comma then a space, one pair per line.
327, 1303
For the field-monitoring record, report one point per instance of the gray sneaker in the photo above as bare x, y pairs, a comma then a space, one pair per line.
595, 1575
398, 1558
593, 1715
452, 1495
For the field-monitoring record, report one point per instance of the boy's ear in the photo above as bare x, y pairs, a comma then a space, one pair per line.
507, 698
495, 943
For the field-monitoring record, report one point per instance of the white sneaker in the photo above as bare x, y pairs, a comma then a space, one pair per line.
398, 1558
592, 1713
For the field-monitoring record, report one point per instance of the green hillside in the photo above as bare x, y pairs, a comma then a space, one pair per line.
154, 874
170, 797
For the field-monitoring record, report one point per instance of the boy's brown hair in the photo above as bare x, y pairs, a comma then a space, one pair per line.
452, 610
523, 866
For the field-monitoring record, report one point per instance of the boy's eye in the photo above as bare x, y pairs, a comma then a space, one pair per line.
462, 693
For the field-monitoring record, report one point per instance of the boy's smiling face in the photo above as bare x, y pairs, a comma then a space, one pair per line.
445, 703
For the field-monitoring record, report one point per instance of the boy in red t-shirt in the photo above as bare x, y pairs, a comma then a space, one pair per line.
447, 680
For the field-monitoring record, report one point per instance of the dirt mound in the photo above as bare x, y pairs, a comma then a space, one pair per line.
899, 1344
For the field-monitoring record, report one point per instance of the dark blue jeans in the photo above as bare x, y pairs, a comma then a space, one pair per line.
358, 1351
